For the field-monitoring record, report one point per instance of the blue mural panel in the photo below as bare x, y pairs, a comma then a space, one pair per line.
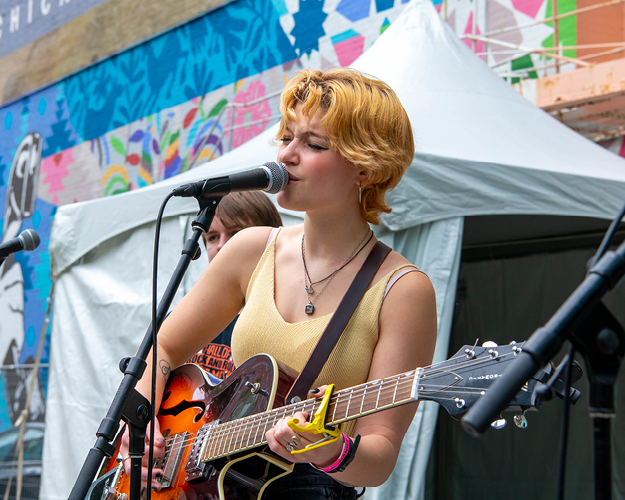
354, 10
236, 41
308, 26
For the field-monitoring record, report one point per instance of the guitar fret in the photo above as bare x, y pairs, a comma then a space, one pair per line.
228, 441
217, 441
213, 442
250, 428
349, 402
364, 396
388, 385
236, 436
219, 436
370, 398
229, 437
337, 403
263, 432
340, 406
240, 435
254, 428
395, 391
261, 421
223, 438
243, 433
249, 425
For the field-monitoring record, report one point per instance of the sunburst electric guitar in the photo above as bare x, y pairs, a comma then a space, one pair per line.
215, 435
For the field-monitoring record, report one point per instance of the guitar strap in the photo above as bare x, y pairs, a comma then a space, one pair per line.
337, 323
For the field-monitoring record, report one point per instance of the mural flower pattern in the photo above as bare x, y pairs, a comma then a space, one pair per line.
250, 114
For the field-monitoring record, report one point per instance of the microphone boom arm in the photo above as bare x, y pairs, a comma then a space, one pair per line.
546, 341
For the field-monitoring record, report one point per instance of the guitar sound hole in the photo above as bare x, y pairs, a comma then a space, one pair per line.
182, 406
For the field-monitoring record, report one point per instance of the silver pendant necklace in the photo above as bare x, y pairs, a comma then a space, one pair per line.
308, 283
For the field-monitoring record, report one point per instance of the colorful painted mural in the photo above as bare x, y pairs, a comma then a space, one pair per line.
162, 107
147, 114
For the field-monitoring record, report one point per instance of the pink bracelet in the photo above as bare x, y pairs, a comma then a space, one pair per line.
344, 452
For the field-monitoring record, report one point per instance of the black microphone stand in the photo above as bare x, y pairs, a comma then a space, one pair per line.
597, 335
128, 404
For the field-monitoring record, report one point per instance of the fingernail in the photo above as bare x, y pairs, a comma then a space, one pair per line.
314, 391
158, 475
154, 488
161, 440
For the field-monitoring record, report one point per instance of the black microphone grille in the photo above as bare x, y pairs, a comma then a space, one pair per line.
30, 239
278, 177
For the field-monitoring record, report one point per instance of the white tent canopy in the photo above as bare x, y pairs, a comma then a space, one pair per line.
481, 149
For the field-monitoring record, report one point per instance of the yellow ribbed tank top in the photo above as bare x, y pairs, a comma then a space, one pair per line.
261, 329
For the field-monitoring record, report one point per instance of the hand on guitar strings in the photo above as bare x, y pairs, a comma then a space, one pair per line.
282, 440
159, 451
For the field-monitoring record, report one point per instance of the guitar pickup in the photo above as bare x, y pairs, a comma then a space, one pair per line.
170, 462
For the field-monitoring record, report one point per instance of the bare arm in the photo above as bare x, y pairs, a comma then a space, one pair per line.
210, 306
202, 314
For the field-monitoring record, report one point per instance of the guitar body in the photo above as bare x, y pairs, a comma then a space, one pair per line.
189, 403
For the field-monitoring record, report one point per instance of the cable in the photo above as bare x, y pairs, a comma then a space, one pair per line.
565, 421
155, 328
607, 239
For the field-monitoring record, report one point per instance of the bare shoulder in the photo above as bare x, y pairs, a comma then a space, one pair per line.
409, 283
408, 313
238, 258
246, 244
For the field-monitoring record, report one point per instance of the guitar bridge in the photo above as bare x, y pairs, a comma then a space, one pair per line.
170, 462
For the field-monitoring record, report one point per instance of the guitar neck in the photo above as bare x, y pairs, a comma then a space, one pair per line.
348, 404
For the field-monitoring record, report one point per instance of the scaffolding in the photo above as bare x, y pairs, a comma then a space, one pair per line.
580, 84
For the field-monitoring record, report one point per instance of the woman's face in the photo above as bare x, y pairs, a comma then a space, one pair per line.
319, 177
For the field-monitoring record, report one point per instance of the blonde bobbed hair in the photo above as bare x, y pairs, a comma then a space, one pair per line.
365, 122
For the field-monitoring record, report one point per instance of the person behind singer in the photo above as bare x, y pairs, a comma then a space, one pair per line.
235, 212
345, 140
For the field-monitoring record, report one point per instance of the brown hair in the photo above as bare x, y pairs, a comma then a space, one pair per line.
365, 122
247, 209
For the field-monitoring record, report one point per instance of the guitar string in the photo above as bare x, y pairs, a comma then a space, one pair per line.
225, 450
267, 420
171, 444
443, 369
237, 434
229, 432
243, 425
243, 430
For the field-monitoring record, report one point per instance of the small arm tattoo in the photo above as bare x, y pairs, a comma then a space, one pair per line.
165, 369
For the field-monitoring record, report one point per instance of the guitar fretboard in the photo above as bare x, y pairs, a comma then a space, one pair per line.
249, 432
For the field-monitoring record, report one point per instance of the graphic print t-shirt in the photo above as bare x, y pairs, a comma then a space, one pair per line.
216, 357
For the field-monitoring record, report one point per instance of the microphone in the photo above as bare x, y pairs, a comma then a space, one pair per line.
272, 177
27, 240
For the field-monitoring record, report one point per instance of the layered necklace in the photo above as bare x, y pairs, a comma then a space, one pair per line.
309, 283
